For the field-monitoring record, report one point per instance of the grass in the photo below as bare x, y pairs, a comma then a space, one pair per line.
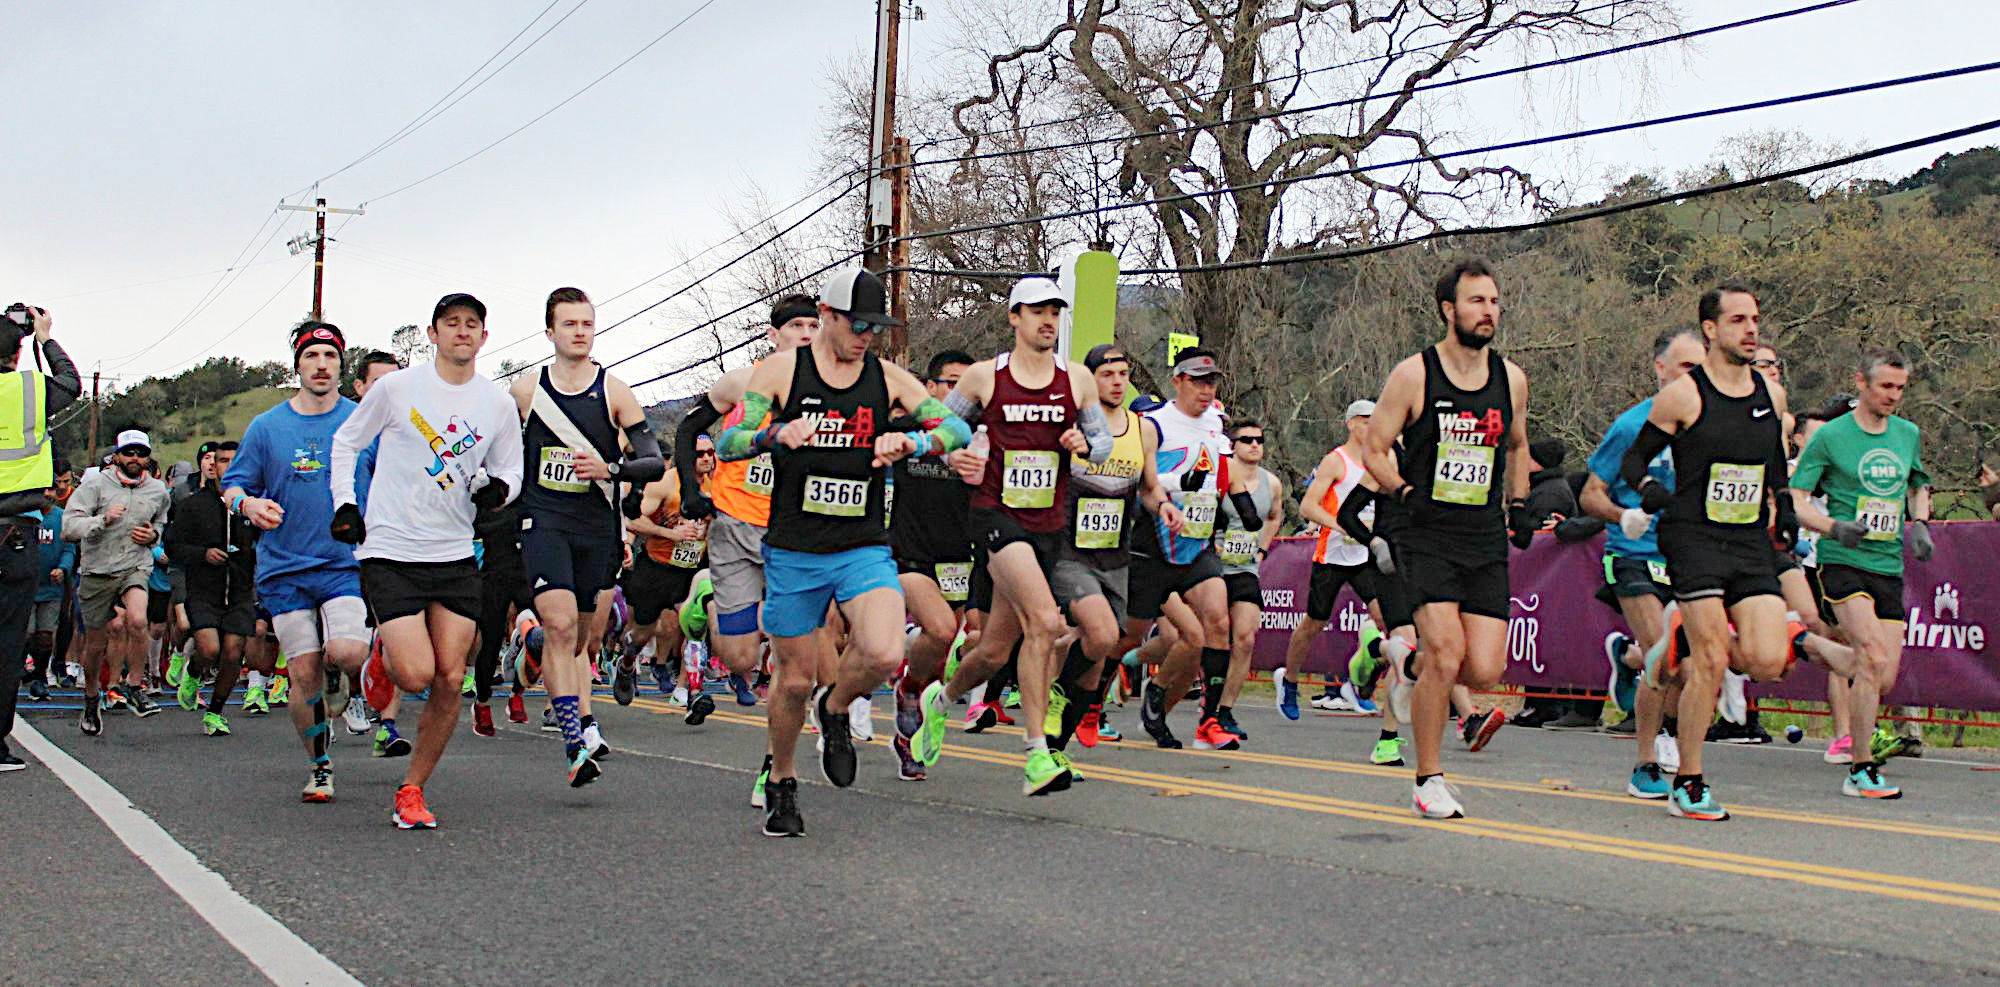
237, 411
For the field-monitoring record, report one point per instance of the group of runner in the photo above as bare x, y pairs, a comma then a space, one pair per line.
834, 523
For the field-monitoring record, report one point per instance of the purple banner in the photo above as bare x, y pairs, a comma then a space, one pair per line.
1555, 636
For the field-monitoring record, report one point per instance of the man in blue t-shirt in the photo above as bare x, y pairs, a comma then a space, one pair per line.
1635, 572
307, 581
52, 587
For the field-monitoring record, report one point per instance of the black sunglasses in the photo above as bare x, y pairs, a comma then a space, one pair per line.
863, 327
1252, 439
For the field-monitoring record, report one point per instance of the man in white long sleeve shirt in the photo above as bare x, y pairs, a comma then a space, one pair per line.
451, 442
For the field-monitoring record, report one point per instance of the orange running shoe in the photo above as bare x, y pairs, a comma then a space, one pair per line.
411, 812
1086, 728
376, 687
1210, 736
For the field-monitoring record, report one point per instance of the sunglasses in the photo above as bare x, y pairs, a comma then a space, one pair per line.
135, 453
863, 327
1256, 440
946, 381
704, 452
1766, 364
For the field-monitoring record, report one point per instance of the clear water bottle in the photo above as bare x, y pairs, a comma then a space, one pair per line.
981, 446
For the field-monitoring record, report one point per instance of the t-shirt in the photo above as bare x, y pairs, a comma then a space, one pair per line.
55, 554
1604, 464
1865, 478
437, 437
285, 456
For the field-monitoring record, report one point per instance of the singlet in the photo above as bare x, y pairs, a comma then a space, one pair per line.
1334, 547
1456, 456
1188, 444
928, 525
1720, 460
551, 494
1027, 474
741, 488
828, 493
1101, 502
679, 554
1237, 541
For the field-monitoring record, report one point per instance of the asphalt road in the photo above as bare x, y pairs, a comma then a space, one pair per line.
1290, 861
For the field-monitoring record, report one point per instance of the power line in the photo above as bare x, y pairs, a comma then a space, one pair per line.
1562, 219
537, 118
1488, 149
767, 296
230, 275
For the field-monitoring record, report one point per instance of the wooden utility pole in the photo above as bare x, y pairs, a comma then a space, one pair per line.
319, 210
899, 250
95, 378
879, 207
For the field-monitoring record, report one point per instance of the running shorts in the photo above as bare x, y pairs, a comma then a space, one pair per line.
1243, 587
1479, 587
1840, 583
994, 530
1626, 577
101, 596
1323, 589
652, 588
736, 563
159, 606
1154, 579
46, 618
404, 589
1076, 579
306, 630
1703, 566
558, 560
799, 585
239, 618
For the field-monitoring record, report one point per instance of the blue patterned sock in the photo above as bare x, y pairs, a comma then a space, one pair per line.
567, 719
316, 736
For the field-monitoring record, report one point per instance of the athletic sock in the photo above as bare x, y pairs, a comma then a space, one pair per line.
1387, 735
316, 732
1215, 669
1424, 778
587, 721
569, 720
1683, 781
1074, 665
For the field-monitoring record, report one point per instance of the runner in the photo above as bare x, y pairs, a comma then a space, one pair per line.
1241, 543
217, 551
1868, 463
441, 425
671, 550
116, 516
56, 579
1723, 422
306, 580
934, 566
1338, 560
572, 539
373, 366
183, 649
828, 540
1461, 412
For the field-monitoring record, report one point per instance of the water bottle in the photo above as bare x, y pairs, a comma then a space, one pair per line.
981, 446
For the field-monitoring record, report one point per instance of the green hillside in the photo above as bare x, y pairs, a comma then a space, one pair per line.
175, 438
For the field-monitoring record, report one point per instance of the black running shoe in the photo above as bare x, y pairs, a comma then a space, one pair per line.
1154, 719
698, 709
836, 745
142, 703
1227, 717
625, 686
92, 720
782, 817
38, 690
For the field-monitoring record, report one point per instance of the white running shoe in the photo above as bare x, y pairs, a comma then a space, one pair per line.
1435, 800
356, 715
593, 741
861, 719
1667, 752
681, 694
1324, 701
1733, 704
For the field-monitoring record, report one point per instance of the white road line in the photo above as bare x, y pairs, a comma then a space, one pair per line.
264, 941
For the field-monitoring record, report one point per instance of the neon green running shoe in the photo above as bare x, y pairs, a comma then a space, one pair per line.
176, 668
465, 687
757, 787
1886, 744
1012, 698
928, 744
281, 690
188, 691
213, 725
1058, 703
1044, 774
951, 658
1363, 667
254, 703
1388, 752
1075, 774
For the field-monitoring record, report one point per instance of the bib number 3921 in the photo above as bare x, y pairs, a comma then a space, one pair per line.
1239, 547
1028, 478
1735, 493
558, 471
1464, 474
836, 497
1882, 516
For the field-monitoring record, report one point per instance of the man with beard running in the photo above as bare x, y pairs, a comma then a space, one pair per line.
1461, 412
116, 516
827, 407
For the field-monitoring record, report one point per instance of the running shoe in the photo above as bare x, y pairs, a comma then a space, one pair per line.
1648, 782
1340, 703
909, 713
465, 687
837, 760
1058, 704
1388, 752
1105, 731
1624, 678
861, 718
1287, 693
679, 696
1866, 782
1154, 719
114, 699
281, 690
1227, 717
757, 788
319, 785
782, 818
517, 709
1667, 752
176, 669
376, 688
593, 741
1075, 773
908, 768
1434, 799
355, 716
1044, 774
187, 688
549, 724
254, 703
213, 725
1325, 700
928, 739
981, 717
1733, 704
410, 811
1481, 734
389, 743
1000, 715
38, 689
1362, 705
1011, 699
698, 708
745, 696
1884, 745
625, 685
482, 720
1210, 736
142, 704
1574, 719
1663, 658
91, 720
583, 769
1696, 800
1086, 728
1401, 691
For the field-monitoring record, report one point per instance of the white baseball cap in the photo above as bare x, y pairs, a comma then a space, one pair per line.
1034, 291
133, 437
1362, 408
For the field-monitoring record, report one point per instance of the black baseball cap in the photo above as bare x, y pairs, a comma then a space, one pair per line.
455, 300
858, 294
1104, 353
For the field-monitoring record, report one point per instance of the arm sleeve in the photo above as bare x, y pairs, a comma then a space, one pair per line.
645, 464
697, 422
1650, 441
1351, 506
361, 428
938, 423
64, 384
1577, 529
1097, 432
740, 441
962, 405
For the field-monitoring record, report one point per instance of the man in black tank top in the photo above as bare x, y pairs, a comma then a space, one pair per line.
1723, 422
830, 405
1460, 411
572, 540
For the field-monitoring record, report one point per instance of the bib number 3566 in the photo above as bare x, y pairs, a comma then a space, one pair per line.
836, 497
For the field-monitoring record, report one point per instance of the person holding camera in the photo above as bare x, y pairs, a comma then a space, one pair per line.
28, 398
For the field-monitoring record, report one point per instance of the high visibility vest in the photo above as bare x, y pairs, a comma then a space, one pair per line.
27, 461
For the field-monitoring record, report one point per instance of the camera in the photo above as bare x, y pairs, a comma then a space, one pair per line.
21, 314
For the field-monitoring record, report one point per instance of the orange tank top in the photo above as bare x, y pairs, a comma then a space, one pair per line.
742, 488
685, 555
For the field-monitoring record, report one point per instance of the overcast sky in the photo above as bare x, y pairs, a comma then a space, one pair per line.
145, 143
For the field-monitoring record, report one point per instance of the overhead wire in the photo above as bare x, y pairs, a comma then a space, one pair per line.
230, 275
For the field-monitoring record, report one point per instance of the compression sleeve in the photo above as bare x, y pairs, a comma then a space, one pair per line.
1246, 510
644, 464
1650, 442
938, 424
744, 439
1349, 516
696, 424
1097, 432
962, 405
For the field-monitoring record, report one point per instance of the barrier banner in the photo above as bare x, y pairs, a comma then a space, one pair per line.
1556, 633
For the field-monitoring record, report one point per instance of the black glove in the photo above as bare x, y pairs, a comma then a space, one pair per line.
1918, 534
633, 501
347, 527
695, 505
1654, 496
1192, 480
1520, 524
491, 496
1785, 523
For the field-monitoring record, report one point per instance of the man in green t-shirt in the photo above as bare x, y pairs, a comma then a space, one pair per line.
1868, 464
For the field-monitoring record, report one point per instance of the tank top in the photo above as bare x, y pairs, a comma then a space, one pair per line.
679, 554
828, 493
1101, 502
1456, 456
1027, 474
1333, 546
928, 525
741, 488
1238, 541
1190, 444
551, 494
1719, 461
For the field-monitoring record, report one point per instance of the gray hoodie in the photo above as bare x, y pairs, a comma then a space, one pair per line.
106, 546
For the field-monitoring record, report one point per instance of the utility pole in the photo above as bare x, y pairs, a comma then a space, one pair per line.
880, 201
899, 251
95, 378
298, 245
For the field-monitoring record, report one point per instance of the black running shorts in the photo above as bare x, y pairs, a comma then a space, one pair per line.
1153, 579
1704, 566
403, 589
1841, 583
1479, 587
653, 587
558, 560
1323, 589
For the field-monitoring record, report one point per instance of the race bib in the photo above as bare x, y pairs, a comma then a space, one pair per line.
1658, 570
888, 502
1099, 521
1028, 478
687, 554
1882, 516
835, 497
1735, 493
759, 477
558, 471
1464, 474
1200, 511
1239, 547
954, 581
